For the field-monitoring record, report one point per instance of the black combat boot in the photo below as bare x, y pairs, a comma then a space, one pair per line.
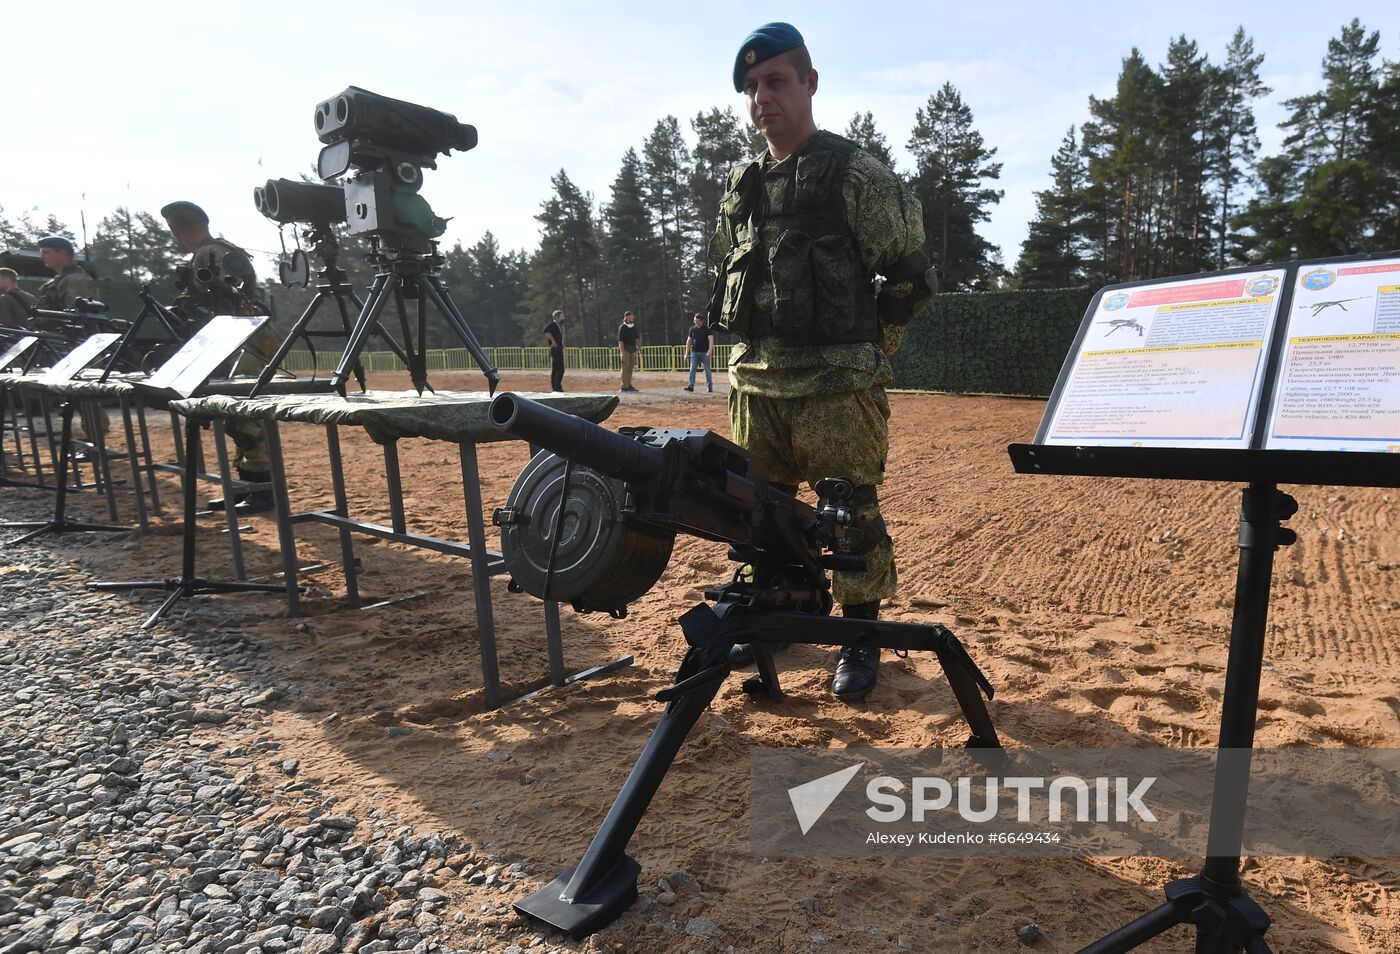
859, 667
249, 502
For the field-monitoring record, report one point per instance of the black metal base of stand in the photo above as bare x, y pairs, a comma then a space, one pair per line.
187, 585
59, 524
183, 589
587, 898
1226, 919
607, 899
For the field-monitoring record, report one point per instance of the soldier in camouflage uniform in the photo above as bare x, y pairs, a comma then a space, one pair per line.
219, 280
804, 230
61, 293
70, 281
15, 302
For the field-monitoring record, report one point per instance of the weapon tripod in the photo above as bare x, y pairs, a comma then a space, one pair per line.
782, 604
332, 284
409, 274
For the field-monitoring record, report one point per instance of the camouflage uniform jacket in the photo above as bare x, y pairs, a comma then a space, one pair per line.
14, 309
204, 282
64, 289
886, 222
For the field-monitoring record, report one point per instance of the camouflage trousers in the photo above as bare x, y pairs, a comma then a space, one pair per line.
249, 439
801, 440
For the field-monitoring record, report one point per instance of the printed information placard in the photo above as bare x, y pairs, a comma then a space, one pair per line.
68, 367
1175, 364
17, 350
187, 369
1338, 386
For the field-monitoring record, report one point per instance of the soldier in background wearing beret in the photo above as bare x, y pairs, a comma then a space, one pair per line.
70, 281
804, 230
219, 280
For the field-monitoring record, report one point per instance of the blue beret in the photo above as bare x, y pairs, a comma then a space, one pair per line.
763, 44
185, 210
57, 241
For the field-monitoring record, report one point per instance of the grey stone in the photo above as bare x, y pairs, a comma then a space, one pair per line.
699, 926
318, 942
1028, 934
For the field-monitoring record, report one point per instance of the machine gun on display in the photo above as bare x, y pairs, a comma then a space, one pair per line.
592, 520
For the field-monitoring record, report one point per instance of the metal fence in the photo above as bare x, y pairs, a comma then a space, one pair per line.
653, 358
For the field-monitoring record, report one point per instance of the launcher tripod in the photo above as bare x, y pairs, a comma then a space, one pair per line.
409, 274
332, 285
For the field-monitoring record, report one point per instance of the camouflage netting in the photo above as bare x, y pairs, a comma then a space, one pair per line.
991, 342
457, 416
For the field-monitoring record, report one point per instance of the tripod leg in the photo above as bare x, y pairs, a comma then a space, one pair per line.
453, 314
299, 326
359, 368
369, 316
417, 357
1155, 922
585, 899
962, 675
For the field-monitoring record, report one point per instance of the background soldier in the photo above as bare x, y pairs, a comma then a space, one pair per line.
220, 280
15, 302
804, 229
70, 281
61, 293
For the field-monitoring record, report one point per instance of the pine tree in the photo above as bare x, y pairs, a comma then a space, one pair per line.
1319, 196
1238, 85
1383, 134
952, 163
136, 249
666, 165
630, 249
862, 129
565, 270
1187, 141
722, 142
1053, 254
1121, 143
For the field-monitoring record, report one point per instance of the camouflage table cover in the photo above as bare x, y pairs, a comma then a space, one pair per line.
87, 387
456, 416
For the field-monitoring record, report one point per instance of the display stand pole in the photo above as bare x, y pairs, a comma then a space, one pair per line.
1226, 919
59, 523
187, 585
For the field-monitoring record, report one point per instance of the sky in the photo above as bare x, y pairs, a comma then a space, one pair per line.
140, 103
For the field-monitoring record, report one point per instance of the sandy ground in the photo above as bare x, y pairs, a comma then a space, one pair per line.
1099, 608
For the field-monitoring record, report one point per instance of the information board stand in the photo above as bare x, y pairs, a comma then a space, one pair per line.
69, 367
1282, 374
216, 345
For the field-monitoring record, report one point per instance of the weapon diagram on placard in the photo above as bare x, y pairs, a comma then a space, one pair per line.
1120, 323
1321, 306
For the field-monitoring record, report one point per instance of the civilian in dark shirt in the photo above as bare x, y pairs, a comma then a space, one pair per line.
629, 339
697, 348
554, 334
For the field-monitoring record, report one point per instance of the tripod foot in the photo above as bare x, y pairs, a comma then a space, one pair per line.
1227, 920
580, 917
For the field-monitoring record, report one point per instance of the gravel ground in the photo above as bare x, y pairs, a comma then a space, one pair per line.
139, 811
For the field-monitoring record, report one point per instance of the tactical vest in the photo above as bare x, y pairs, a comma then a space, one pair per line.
204, 281
60, 292
819, 291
